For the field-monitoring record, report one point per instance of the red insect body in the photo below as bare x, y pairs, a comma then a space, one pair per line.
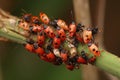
87, 36
43, 57
44, 18
51, 57
36, 28
35, 20
39, 51
64, 56
56, 42
70, 67
24, 25
62, 34
62, 24
41, 38
79, 38
49, 31
72, 29
92, 60
29, 47
81, 60
94, 49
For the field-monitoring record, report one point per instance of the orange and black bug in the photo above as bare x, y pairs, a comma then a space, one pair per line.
51, 57
29, 46
41, 38
72, 29
44, 57
94, 49
35, 20
84, 55
83, 58
38, 50
92, 60
24, 25
64, 55
49, 31
70, 67
56, 42
79, 27
58, 61
61, 24
44, 18
62, 34
79, 37
35, 28
87, 35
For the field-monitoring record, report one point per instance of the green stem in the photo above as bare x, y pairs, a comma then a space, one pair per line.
4, 32
107, 61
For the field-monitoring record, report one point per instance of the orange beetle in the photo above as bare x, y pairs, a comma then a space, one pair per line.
44, 18
62, 24
70, 67
41, 38
56, 42
94, 49
38, 50
49, 31
72, 29
62, 34
24, 25
44, 57
92, 60
87, 36
35, 28
35, 20
29, 47
79, 38
81, 60
64, 56
51, 57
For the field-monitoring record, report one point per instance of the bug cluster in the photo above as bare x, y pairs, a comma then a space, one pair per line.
57, 42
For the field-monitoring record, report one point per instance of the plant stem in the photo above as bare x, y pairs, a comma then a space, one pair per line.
107, 61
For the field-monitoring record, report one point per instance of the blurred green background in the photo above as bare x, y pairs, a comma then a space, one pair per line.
18, 64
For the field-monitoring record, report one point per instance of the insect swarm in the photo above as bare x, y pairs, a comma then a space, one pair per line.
51, 38
16, 33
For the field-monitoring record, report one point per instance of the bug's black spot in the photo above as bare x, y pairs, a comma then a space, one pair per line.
93, 49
